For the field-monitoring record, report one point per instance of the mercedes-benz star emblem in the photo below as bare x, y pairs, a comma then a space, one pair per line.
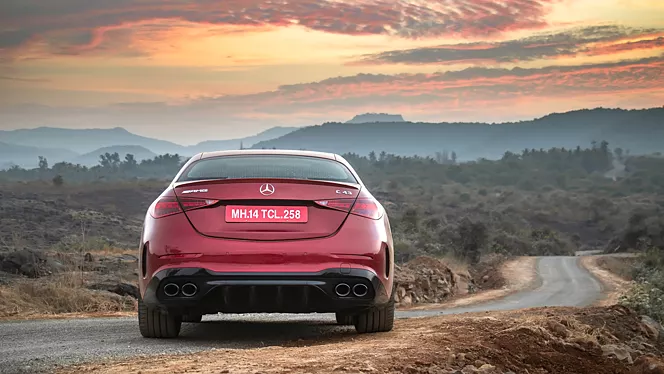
267, 189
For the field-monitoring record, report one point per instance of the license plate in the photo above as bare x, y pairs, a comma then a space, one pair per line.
264, 214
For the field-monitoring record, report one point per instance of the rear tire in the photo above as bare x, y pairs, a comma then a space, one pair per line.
192, 318
376, 319
345, 319
155, 323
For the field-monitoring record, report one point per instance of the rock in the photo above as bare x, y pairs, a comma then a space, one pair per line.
401, 292
652, 328
557, 329
484, 369
122, 289
425, 279
622, 353
30, 263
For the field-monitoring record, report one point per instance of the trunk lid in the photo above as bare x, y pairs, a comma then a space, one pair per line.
267, 209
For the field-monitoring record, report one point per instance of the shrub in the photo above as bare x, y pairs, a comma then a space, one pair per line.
58, 180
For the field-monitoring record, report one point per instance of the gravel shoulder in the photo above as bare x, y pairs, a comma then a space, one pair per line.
613, 285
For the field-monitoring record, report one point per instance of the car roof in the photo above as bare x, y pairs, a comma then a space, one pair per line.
269, 152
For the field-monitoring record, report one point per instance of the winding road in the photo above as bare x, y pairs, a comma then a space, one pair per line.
41, 346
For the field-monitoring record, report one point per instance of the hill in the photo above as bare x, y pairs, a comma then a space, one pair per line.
28, 157
640, 131
85, 140
92, 158
79, 141
376, 117
220, 145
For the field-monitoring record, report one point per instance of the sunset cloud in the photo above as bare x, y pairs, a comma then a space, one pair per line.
69, 24
235, 67
592, 40
510, 93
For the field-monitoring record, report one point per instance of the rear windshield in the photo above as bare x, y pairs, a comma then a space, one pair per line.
267, 166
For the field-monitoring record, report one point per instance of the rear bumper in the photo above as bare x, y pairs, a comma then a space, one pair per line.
254, 292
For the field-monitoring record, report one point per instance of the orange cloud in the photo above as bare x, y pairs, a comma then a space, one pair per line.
476, 92
82, 23
590, 40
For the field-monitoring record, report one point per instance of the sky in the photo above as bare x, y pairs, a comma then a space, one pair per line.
193, 70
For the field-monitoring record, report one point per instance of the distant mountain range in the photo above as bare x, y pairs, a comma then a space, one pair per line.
83, 146
26, 156
640, 131
84, 140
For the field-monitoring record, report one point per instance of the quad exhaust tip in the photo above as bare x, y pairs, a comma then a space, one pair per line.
342, 289
189, 289
360, 290
171, 289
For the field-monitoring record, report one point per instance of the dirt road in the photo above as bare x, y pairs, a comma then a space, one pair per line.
32, 346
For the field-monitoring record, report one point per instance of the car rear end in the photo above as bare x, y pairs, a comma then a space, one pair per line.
258, 231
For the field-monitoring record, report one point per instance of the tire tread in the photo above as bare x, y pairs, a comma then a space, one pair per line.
154, 323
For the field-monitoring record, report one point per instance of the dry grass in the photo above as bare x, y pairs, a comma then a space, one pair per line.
622, 266
58, 295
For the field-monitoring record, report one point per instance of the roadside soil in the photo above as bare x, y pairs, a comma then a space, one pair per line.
612, 272
594, 340
501, 280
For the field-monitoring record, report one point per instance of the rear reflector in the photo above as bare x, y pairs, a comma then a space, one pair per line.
167, 206
180, 256
365, 207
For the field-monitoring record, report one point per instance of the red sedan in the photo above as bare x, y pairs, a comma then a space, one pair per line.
265, 231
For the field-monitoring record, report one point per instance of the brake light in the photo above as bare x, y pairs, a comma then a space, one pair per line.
365, 207
167, 206
339, 204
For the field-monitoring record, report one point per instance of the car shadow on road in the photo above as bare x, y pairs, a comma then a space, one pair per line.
250, 334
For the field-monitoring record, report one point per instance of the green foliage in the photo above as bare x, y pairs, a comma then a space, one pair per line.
647, 296
110, 167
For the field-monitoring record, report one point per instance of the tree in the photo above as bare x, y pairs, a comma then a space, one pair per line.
43, 163
473, 237
130, 161
109, 160
372, 157
619, 153
454, 157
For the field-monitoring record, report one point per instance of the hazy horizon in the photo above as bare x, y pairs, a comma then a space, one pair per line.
233, 69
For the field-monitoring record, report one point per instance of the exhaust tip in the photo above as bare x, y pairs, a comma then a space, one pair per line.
189, 289
171, 289
342, 289
360, 290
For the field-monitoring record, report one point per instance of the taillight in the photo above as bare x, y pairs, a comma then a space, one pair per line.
167, 206
365, 207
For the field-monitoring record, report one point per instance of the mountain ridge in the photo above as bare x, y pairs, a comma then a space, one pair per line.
639, 130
